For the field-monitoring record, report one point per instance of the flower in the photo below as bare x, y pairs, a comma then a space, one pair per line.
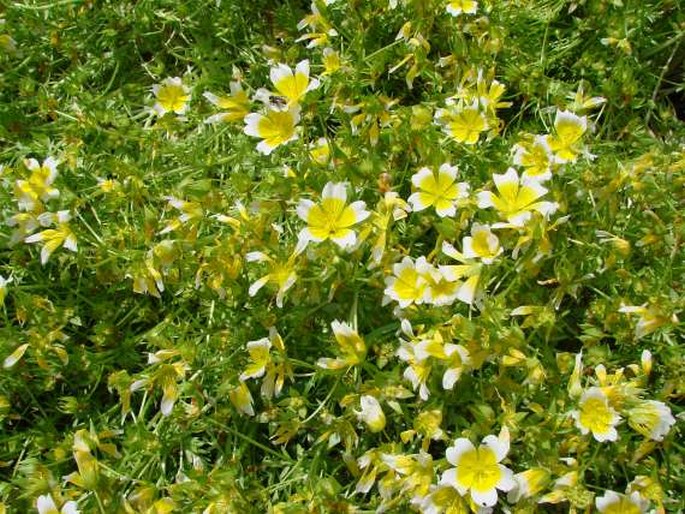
3, 288
596, 415
259, 357
478, 470
236, 106
275, 128
190, 211
482, 244
46, 505
528, 484
536, 157
172, 96
350, 344
293, 85
468, 270
651, 418
407, 285
516, 199
371, 413
330, 219
569, 129
614, 503
281, 274
53, 238
457, 7
438, 190
463, 124
331, 61
38, 188
241, 398
650, 318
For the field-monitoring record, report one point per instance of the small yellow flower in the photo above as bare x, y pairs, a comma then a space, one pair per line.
516, 199
352, 348
293, 85
38, 188
235, 106
482, 244
463, 124
241, 398
320, 151
172, 96
536, 157
331, 61
478, 470
457, 7
190, 211
650, 318
259, 358
52, 239
46, 505
469, 271
275, 128
406, 286
281, 274
614, 503
569, 129
438, 190
651, 418
596, 415
332, 218
371, 413
528, 484
3, 288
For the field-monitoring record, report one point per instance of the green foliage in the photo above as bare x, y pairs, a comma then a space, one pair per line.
146, 371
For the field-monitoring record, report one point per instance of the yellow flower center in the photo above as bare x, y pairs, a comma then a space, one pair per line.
277, 127
623, 506
478, 470
330, 218
596, 416
172, 97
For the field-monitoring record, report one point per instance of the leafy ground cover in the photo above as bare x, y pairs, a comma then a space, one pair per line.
342, 256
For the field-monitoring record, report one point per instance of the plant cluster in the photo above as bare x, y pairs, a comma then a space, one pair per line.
342, 256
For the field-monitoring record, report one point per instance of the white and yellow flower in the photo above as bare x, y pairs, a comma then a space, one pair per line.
464, 124
568, 133
293, 85
439, 190
46, 505
481, 244
241, 398
38, 188
332, 218
528, 484
650, 318
259, 358
407, 285
190, 211
458, 7
351, 347
615, 503
281, 274
651, 418
275, 128
53, 238
467, 273
3, 288
172, 96
371, 413
478, 470
234, 107
536, 157
596, 415
516, 200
